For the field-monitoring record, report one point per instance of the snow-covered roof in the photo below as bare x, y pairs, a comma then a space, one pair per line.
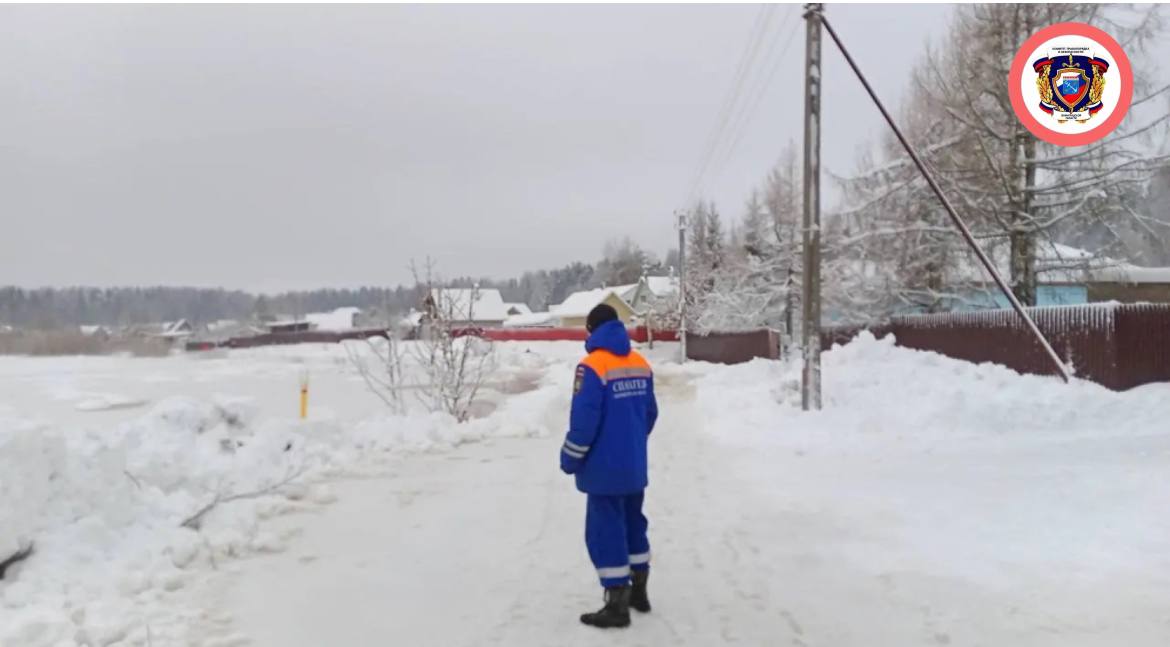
531, 320
1126, 273
662, 285
488, 304
626, 291
518, 308
579, 304
339, 319
413, 318
1055, 263
174, 329
285, 322
659, 286
88, 331
223, 324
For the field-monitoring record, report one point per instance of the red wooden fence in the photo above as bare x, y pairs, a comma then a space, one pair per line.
1118, 346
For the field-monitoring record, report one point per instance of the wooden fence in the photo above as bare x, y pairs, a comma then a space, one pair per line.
1117, 345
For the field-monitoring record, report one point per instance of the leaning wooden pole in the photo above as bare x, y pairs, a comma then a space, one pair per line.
1061, 369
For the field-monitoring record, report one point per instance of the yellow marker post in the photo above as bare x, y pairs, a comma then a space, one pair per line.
304, 395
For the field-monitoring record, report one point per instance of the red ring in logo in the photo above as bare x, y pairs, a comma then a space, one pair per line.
1125, 72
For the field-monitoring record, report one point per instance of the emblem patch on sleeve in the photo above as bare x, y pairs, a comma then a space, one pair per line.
578, 380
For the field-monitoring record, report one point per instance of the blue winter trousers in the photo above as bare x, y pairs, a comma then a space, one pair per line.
615, 533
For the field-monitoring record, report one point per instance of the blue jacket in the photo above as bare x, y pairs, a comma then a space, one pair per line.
614, 411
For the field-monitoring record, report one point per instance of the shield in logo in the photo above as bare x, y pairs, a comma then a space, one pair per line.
1071, 85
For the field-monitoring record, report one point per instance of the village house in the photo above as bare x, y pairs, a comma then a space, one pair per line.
1064, 276
649, 292
532, 320
338, 320
225, 329
1129, 284
516, 309
1070, 276
483, 308
573, 311
288, 326
169, 330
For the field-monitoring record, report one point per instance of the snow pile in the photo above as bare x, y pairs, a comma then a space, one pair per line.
1011, 498
123, 518
105, 510
873, 387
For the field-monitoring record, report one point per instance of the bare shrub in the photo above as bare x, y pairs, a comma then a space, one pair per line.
454, 360
449, 362
381, 368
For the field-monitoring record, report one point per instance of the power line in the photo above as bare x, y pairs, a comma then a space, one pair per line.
741, 126
746, 61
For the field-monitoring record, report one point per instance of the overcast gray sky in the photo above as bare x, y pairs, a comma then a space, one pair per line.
276, 147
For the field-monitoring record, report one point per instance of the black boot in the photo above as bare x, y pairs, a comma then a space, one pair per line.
615, 613
638, 598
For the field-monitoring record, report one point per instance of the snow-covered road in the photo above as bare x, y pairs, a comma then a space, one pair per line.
932, 502
812, 540
483, 546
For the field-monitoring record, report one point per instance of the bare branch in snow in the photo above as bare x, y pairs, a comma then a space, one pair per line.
15, 558
195, 521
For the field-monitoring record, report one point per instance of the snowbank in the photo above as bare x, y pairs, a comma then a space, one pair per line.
947, 477
872, 387
106, 506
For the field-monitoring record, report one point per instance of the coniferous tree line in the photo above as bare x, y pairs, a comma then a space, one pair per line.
623, 262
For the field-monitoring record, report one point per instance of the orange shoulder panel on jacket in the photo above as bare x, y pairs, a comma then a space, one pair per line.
609, 366
598, 360
637, 360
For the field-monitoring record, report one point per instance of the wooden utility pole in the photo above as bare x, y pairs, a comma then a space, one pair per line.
682, 284
810, 394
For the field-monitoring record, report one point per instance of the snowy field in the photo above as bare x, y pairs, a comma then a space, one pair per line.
933, 502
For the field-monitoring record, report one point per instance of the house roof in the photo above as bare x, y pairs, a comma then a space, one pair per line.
284, 323
339, 319
530, 320
180, 328
223, 324
626, 291
412, 318
579, 304
659, 286
488, 304
520, 308
1126, 273
662, 285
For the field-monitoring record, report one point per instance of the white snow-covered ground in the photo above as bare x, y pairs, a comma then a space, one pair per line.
933, 502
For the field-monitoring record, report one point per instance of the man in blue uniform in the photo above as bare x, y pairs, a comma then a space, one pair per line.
613, 413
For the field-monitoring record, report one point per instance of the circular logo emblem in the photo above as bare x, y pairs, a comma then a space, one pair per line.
1070, 84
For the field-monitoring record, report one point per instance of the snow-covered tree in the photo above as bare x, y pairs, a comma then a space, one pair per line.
755, 282
704, 252
894, 244
624, 262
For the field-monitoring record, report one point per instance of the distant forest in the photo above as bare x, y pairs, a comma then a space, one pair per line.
51, 308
